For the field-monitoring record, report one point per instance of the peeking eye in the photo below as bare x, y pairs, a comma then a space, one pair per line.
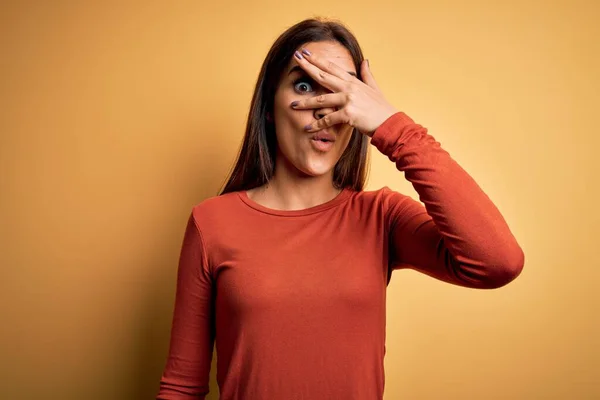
302, 85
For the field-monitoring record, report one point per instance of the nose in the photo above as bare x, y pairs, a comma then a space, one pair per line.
322, 112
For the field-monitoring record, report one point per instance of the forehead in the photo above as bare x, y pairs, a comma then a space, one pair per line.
328, 51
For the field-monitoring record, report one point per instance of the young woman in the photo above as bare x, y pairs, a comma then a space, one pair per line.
287, 269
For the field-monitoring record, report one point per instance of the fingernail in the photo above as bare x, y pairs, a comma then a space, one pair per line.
294, 103
307, 127
304, 51
298, 55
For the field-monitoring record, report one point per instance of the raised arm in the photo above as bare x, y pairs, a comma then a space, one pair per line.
458, 235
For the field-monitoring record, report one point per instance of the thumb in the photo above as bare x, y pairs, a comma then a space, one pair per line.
367, 75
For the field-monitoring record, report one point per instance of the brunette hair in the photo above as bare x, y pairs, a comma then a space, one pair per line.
256, 159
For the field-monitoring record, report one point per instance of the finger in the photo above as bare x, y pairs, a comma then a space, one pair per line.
367, 75
324, 100
323, 78
328, 66
334, 118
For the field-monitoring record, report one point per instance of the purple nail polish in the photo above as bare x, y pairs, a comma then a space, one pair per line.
307, 127
294, 103
306, 52
298, 55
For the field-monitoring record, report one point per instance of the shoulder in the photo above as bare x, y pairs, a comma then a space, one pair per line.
390, 203
214, 209
217, 219
372, 202
382, 196
215, 205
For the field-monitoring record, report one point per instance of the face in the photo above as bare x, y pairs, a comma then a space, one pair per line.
296, 150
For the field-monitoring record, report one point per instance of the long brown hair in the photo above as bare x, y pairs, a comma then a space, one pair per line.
256, 160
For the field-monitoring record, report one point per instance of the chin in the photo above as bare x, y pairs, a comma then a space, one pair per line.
316, 170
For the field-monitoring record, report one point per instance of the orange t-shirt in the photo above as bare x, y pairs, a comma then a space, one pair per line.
296, 299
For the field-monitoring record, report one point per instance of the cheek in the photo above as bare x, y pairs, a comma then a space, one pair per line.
346, 133
289, 119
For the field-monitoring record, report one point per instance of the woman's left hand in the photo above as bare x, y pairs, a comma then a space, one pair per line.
359, 104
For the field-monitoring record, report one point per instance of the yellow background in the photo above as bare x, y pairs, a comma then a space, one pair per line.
116, 118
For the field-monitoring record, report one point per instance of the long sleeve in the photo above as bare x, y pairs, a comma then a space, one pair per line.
458, 235
186, 374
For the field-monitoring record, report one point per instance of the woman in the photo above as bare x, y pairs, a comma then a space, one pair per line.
287, 269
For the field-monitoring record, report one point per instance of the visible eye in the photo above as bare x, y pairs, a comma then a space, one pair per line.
303, 85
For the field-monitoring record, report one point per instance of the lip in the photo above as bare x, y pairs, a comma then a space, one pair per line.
323, 134
321, 146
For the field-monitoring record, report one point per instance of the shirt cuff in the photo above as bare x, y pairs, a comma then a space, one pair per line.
386, 134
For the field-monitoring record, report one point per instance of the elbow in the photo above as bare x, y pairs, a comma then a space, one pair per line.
503, 273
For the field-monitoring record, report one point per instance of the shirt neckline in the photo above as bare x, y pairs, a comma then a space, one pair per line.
341, 197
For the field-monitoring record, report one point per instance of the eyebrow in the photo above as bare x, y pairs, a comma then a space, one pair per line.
298, 68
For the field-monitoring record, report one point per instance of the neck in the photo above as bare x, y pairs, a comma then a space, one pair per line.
288, 191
